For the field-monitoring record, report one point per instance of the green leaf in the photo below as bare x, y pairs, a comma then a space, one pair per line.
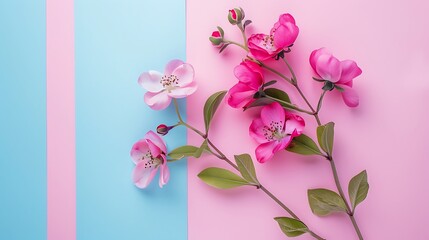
221, 178
222, 33
259, 102
183, 151
324, 202
200, 150
224, 47
325, 136
291, 227
358, 188
246, 23
211, 106
304, 145
278, 94
246, 168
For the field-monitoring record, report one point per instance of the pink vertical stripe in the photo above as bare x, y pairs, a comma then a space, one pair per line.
60, 120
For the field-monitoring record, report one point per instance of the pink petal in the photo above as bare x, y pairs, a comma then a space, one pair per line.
240, 95
257, 49
143, 176
254, 67
294, 123
285, 35
265, 151
157, 101
171, 66
328, 67
151, 81
185, 74
286, 18
273, 112
314, 56
154, 150
139, 150
283, 143
350, 96
157, 140
249, 73
256, 131
181, 92
350, 70
165, 174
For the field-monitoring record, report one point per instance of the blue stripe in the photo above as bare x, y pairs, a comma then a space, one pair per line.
23, 120
115, 41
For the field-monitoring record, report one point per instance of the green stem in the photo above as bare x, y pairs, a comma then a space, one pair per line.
289, 105
181, 122
352, 218
276, 72
315, 114
340, 190
237, 44
319, 104
329, 157
240, 26
222, 156
291, 71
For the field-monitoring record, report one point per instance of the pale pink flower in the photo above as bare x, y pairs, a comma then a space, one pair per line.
250, 79
340, 73
282, 36
176, 82
149, 154
274, 130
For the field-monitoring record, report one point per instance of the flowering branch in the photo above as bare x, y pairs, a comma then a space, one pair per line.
277, 128
334, 74
219, 154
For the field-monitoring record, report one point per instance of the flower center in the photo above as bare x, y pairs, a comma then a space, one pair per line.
269, 42
169, 82
274, 132
151, 162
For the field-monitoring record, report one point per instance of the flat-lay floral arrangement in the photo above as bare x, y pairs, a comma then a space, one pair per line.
279, 126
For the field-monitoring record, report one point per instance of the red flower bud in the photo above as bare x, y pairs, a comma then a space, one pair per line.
217, 37
235, 16
163, 129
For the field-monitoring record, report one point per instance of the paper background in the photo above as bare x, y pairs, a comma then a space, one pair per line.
386, 134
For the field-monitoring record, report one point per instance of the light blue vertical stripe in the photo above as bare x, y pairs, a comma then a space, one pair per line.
22, 120
115, 41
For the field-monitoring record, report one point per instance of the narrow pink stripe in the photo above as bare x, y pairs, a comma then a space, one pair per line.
60, 120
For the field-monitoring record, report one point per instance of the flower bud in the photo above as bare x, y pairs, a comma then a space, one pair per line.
163, 129
235, 16
217, 37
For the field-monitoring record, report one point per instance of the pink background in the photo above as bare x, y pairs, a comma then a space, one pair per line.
386, 134
61, 167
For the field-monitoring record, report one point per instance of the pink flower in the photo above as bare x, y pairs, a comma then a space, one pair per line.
274, 130
250, 79
176, 82
149, 154
339, 74
282, 36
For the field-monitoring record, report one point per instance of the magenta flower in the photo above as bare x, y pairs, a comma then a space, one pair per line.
339, 73
149, 154
274, 130
176, 82
282, 36
250, 79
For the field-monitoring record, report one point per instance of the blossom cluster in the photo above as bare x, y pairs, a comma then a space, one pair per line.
279, 125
